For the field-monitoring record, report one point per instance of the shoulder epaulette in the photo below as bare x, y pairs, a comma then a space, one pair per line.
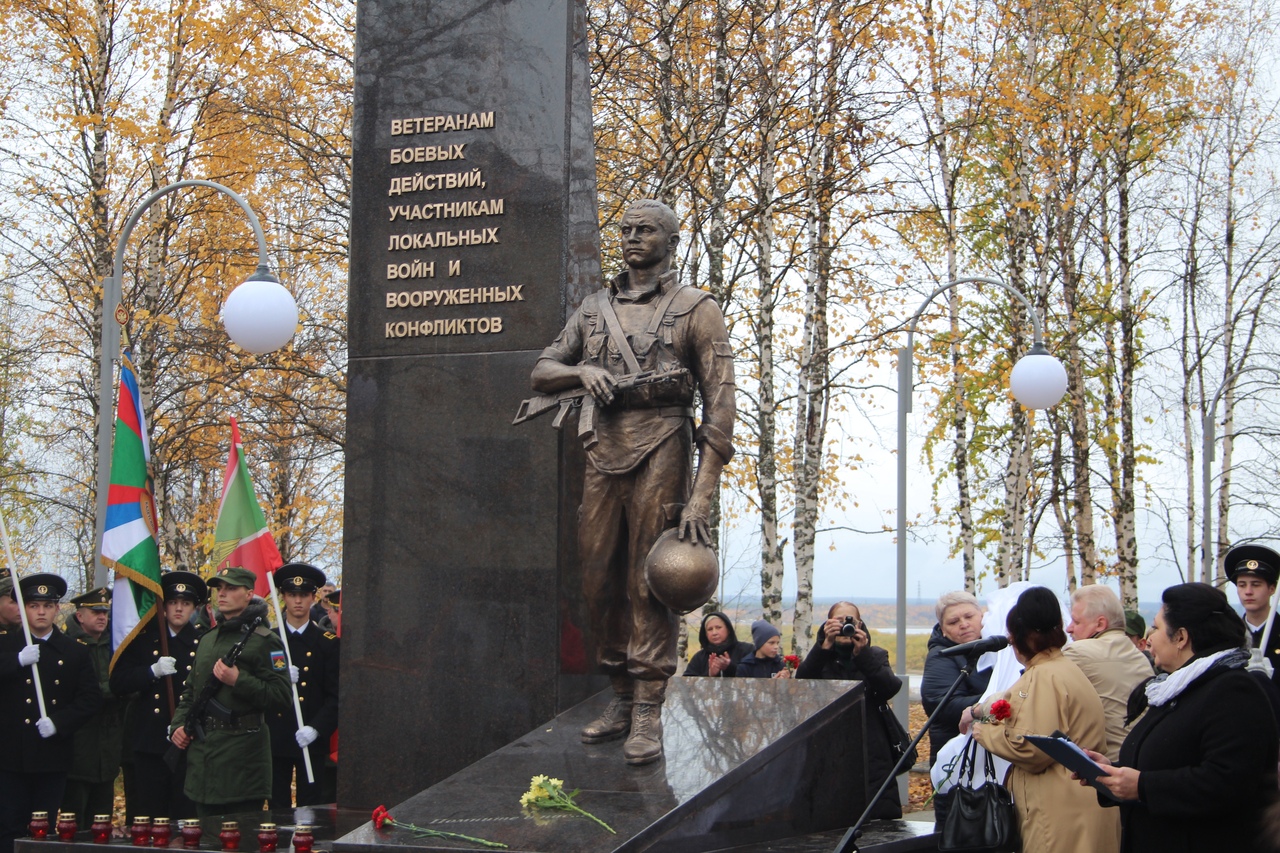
81, 641
329, 635
263, 631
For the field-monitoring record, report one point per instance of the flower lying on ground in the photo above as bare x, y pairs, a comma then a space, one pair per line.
382, 817
546, 793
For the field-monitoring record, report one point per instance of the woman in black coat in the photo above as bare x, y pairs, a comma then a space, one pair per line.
850, 655
720, 650
1198, 770
959, 621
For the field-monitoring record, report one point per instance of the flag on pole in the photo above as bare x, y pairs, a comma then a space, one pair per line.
241, 537
129, 544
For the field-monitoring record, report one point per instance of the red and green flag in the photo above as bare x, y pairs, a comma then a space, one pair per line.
129, 544
241, 537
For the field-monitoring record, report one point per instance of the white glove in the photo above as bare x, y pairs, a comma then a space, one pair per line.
293, 673
45, 726
306, 736
28, 655
164, 666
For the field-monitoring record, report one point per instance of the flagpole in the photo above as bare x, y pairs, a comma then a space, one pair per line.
288, 657
22, 611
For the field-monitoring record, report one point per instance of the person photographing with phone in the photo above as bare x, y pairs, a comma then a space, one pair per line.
846, 653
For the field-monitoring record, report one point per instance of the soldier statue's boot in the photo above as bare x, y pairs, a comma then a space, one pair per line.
616, 719
644, 744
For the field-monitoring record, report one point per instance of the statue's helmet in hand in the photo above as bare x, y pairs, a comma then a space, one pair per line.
681, 574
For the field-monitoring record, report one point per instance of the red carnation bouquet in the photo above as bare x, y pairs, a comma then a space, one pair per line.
792, 661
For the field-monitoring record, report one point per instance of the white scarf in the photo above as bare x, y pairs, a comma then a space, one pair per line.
1162, 690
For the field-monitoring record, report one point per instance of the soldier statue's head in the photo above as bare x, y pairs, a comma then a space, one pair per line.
650, 233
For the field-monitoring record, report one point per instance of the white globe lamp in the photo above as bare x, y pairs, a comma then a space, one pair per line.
260, 315
1038, 380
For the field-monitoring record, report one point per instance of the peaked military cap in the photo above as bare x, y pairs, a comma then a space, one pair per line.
42, 586
233, 576
334, 598
1256, 560
299, 577
94, 599
186, 585
6, 581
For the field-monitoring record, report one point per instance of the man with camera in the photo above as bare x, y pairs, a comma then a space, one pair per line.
846, 653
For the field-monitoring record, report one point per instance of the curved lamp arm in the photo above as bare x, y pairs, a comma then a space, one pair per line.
112, 289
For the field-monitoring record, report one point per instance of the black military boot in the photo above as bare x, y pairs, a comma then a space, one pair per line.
616, 719
644, 744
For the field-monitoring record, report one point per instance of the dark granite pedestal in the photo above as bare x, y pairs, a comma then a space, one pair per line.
748, 762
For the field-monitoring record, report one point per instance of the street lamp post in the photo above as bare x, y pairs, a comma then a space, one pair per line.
260, 316
1208, 432
1038, 381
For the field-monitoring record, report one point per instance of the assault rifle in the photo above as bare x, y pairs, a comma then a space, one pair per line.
580, 398
204, 702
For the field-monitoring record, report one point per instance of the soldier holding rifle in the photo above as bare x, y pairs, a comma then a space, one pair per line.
226, 737
154, 667
640, 446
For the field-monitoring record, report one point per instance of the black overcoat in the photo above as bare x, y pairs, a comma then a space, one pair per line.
315, 653
146, 726
71, 695
1207, 761
871, 666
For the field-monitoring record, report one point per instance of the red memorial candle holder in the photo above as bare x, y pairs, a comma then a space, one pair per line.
39, 826
161, 832
191, 832
101, 828
230, 835
268, 838
140, 832
302, 839
67, 826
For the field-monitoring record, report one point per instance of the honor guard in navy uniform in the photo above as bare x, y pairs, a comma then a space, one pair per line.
314, 652
37, 750
151, 670
229, 767
1254, 569
10, 618
91, 782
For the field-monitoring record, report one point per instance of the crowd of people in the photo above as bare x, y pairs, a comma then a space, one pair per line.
1182, 725
192, 735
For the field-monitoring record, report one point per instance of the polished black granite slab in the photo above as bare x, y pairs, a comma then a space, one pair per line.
462, 607
747, 761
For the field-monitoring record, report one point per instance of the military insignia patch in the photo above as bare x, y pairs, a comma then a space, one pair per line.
278, 661
1252, 564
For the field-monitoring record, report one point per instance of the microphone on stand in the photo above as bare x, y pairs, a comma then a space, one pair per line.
977, 647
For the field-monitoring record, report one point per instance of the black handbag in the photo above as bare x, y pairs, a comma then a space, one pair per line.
980, 820
898, 738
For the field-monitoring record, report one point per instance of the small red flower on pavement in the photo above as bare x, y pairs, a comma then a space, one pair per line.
381, 816
1000, 710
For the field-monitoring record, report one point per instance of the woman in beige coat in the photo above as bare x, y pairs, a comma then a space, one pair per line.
1058, 816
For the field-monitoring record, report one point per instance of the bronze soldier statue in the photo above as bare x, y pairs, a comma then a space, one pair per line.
640, 480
